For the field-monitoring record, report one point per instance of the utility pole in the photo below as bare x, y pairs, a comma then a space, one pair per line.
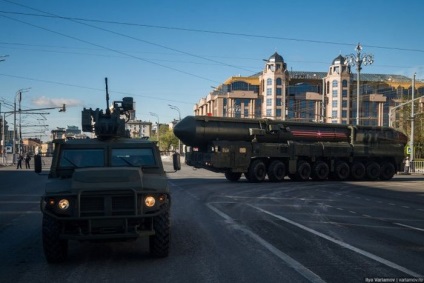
411, 142
179, 119
357, 61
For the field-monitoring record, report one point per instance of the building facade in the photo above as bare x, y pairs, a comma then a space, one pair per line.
328, 97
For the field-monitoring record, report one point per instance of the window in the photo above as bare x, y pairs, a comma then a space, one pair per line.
134, 157
278, 112
278, 80
335, 93
334, 114
344, 103
278, 91
269, 81
268, 112
278, 102
344, 83
344, 93
335, 102
269, 91
269, 102
344, 114
82, 158
335, 83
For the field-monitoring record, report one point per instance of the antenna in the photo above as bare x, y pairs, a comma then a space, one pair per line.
107, 98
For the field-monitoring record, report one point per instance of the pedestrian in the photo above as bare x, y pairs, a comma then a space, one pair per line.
20, 158
406, 164
27, 160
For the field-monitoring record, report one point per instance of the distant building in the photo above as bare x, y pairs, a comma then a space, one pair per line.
328, 97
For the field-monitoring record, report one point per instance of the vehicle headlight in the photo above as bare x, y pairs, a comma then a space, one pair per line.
63, 204
149, 201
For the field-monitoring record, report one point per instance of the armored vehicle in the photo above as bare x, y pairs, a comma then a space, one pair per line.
106, 189
300, 150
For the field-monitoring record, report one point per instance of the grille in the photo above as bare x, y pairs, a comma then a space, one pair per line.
108, 204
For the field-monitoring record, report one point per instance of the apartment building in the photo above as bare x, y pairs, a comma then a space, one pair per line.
328, 97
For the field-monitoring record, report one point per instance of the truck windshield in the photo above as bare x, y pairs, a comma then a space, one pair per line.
133, 157
82, 158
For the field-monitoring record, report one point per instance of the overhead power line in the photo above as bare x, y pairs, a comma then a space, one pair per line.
205, 31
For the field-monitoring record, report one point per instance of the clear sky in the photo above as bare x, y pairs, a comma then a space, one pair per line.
172, 52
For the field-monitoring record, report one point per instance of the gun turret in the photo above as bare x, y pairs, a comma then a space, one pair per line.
109, 124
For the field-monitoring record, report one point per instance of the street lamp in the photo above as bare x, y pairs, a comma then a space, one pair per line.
357, 61
157, 129
19, 92
179, 119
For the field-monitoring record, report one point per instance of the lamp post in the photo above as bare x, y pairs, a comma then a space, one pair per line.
411, 142
357, 61
19, 92
157, 128
179, 119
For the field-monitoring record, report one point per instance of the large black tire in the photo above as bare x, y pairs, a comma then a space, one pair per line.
232, 176
159, 243
257, 171
320, 171
373, 170
341, 171
357, 171
276, 171
387, 171
55, 249
303, 171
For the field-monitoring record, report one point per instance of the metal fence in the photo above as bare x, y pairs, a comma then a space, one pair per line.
417, 167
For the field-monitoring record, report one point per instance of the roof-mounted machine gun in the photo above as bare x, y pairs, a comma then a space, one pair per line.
109, 124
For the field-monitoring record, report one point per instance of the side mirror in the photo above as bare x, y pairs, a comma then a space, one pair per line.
37, 163
176, 161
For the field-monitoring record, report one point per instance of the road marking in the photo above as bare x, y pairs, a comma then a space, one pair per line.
342, 244
302, 270
411, 227
17, 201
19, 212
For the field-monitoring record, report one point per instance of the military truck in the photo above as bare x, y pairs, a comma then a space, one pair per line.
107, 188
300, 150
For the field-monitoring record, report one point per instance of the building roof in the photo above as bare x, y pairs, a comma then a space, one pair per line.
276, 58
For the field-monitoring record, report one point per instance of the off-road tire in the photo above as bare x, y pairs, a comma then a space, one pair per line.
159, 243
257, 171
320, 171
55, 249
357, 171
276, 171
304, 171
232, 176
387, 171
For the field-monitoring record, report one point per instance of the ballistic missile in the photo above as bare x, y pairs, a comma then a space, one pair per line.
200, 130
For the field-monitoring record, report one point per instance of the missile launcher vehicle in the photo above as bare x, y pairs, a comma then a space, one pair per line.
109, 188
257, 148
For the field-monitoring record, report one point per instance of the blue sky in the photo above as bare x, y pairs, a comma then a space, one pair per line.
173, 52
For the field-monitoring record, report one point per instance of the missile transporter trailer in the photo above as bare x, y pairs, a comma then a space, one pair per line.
300, 150
105, 189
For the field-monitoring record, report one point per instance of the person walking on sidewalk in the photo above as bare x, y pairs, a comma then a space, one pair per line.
20, 158
406, 165
27, 160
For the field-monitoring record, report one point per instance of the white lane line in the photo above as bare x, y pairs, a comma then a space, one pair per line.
411, 227
342, 244
17, 201
302, 270
19, 212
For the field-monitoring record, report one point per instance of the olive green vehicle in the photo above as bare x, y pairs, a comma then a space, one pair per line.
105, 189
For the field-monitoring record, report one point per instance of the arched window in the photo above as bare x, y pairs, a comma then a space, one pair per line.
344, 83
278, 81
269, 81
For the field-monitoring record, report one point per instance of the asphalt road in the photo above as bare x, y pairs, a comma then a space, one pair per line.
236, 232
